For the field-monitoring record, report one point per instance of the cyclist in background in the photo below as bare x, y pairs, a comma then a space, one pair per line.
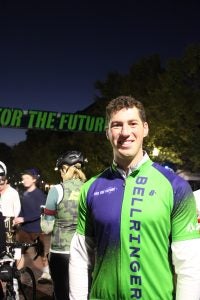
2, 245
10, 205
60, 218
29, 218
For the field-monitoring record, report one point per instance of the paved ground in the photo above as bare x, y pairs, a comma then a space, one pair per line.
44, 291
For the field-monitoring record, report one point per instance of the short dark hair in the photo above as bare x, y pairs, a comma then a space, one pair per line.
32, 172
124, 102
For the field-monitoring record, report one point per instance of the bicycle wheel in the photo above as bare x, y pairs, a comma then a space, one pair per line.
10, 293
27, 284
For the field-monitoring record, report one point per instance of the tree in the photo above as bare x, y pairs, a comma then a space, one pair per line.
6, 156
171, 98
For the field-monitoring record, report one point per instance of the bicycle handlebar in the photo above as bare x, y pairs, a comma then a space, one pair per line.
10, 229
16, 244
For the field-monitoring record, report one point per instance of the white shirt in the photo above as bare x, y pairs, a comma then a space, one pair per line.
10, 204
186, 260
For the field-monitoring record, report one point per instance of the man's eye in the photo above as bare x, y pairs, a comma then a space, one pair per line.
133, 124
115, 125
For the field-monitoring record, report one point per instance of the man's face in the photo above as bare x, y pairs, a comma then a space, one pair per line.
28, 180
126, 132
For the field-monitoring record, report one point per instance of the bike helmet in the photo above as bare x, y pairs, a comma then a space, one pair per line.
3, 169
70, 158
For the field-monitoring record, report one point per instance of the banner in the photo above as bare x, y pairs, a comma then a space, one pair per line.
35, 119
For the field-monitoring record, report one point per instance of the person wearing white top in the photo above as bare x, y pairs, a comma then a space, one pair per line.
10, 205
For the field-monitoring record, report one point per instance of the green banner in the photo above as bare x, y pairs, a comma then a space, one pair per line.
35, 119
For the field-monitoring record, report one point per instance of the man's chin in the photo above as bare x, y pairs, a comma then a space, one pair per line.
126, 155
126, 152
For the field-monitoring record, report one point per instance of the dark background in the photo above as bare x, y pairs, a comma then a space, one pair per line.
52, 53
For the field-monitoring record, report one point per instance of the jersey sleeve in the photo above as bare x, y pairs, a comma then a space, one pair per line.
48, 218
51, 203
84, 226
184, 215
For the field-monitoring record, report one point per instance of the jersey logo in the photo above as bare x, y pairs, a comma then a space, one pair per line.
109, 190
193, 227
152, 193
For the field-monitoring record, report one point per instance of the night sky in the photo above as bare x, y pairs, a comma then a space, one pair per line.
51, 53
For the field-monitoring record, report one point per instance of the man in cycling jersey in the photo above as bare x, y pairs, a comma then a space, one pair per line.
137, 220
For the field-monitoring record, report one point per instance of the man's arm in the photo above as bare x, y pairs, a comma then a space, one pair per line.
80, 266
2, 234
186, 259
47, 219
16, 205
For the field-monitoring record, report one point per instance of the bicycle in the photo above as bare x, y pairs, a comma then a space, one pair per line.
18, 283
10, 274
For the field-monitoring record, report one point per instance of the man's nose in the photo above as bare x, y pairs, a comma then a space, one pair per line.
125, 130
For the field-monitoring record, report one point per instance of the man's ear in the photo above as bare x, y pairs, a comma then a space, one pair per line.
146, 129
107, 134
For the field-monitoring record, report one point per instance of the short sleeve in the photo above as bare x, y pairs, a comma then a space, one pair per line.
184, 216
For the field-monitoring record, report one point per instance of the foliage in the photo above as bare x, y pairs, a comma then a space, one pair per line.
6, 156
171, 98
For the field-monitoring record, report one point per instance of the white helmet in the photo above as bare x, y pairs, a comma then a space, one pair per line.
3, 169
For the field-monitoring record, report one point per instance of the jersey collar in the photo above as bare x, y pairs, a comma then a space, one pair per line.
132, 168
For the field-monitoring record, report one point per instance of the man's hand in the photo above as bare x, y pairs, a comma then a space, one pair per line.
18, 220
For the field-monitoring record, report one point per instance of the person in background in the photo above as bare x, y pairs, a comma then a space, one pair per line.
2, 248
10, 205
60, 218
29, 219
135, 220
